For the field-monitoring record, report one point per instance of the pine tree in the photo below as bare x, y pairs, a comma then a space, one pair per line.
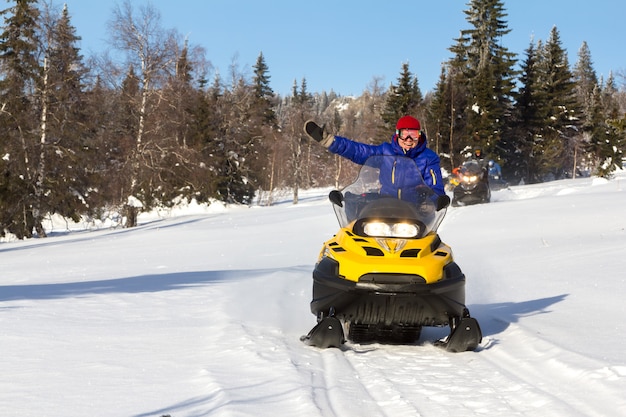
587, 92
299, 111
179, 170
585, 78
445, 116
179, 92
62, 184
129, 96
489, 73
263, 91
610, 95
402, 99
453, 89
528, 120
206, 132
241, 144
554, 150
203, 134
616, 122
99, 148
605, 142
264, 123
19, 120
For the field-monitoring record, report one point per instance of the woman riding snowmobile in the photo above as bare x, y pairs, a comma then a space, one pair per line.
408, 141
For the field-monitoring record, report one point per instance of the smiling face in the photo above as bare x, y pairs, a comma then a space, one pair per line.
408, 138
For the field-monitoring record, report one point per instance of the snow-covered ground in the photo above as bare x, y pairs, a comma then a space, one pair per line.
200, 315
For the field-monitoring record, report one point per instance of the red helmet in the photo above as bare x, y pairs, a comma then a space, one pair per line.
408, 122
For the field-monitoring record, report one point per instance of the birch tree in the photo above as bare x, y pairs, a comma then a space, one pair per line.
152, 51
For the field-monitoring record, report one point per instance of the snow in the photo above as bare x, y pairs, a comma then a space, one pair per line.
199, 312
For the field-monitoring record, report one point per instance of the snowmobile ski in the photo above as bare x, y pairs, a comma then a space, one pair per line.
327, 333
465, 336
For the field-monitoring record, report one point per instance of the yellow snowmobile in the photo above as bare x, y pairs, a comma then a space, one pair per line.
386, 273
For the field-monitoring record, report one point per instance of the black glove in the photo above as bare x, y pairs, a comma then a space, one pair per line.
315, 132
443, 201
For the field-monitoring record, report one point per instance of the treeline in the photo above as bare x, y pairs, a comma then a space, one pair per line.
84, 136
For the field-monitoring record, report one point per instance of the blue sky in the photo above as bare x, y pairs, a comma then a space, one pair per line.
343, 45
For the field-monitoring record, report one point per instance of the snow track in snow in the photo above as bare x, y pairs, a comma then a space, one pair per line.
426, 381
518, 373
558, 374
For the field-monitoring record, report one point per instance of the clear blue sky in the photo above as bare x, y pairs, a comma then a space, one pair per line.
342, 45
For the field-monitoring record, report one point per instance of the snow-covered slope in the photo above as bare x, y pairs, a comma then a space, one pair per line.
198, 315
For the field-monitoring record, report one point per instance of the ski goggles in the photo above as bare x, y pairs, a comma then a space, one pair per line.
409, 134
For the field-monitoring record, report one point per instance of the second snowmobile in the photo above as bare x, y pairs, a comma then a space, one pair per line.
473, 186
386, 273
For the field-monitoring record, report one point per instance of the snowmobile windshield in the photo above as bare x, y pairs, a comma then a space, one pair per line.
471, 168
389, 198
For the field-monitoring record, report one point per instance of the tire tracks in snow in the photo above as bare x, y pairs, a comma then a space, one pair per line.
424, 381
513, 373
559, 375
383, 380
338, 389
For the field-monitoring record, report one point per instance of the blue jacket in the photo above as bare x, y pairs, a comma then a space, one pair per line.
425, 159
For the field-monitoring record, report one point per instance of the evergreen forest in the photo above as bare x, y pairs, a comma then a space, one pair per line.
83, 137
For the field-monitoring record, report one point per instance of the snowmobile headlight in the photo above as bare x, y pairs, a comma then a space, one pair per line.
377, 229
404, 230
397, 230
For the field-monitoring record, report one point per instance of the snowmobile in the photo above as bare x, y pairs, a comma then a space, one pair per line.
473, 187
386, 273
496, 183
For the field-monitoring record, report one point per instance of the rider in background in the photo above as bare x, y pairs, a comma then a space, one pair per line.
482, 162
495, 172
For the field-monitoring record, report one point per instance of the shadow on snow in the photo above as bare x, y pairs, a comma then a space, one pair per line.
138, 284
493, 318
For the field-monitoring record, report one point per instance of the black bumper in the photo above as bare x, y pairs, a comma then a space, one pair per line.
388, 299
476, 195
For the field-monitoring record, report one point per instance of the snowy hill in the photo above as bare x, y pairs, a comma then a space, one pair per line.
198, 315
